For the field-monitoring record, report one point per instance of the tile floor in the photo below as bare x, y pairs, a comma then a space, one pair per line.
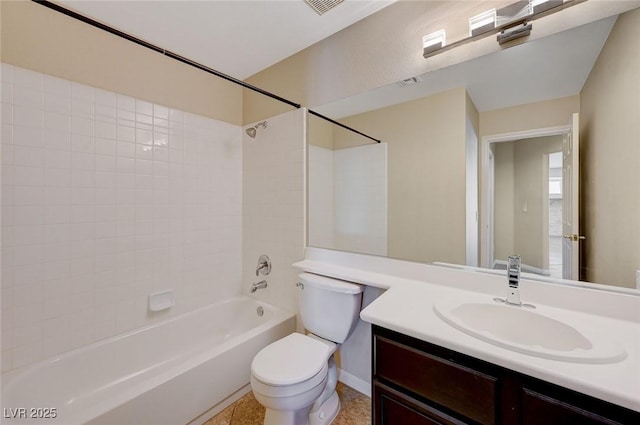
355, 410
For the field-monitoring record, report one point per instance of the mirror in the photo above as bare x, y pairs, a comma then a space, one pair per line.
429, 191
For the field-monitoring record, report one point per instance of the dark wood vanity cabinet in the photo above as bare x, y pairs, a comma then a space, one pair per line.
416, 383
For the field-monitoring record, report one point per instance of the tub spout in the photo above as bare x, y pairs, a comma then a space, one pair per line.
260, 285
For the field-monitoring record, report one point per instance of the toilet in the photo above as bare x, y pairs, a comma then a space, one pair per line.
295, 377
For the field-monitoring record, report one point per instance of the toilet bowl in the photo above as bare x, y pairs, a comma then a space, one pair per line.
295, 377
289, 376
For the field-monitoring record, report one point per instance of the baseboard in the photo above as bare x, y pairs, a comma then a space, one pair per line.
221, 406
354, 382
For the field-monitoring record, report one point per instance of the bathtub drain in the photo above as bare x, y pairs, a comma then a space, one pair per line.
260, 311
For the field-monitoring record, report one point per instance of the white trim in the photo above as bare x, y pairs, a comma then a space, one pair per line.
200, 420
354, 382
487, 211
527, 134
490, 203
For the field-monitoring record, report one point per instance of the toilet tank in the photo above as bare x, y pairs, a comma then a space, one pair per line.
329, 308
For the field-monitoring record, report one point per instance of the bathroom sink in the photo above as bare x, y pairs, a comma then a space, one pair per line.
528, 331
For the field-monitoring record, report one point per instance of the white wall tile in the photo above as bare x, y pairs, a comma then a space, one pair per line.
55, 139
57, 85
25, 95
80, 140
6, 73
27, 136
98, 211
57, 121
273, 214
28, 116
58, 103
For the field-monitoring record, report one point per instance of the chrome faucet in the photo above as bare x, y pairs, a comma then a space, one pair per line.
513, 276
259, 285
264, 265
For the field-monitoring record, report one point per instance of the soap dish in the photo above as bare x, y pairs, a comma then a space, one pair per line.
161, 300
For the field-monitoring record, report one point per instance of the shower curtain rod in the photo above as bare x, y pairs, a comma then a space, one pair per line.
343, 125
155, 48
187, 61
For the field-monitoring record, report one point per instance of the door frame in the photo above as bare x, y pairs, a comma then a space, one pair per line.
486, 183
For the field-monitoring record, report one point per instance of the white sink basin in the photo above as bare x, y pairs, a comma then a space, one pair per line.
527, 331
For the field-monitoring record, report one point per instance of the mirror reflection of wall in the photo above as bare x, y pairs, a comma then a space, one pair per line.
428, 138
522, 203
426, 195
347, 191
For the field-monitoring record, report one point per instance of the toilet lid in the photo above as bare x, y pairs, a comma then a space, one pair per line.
290, 360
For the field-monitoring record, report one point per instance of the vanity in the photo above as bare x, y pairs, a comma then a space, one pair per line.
415, 382
444, 352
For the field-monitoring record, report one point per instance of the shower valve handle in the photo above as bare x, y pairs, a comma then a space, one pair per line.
264, 265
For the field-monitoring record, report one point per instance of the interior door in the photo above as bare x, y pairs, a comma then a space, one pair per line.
570, 207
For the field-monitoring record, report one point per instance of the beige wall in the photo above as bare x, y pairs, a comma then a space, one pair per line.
472, 128
521, 178
531, 227
320, 132
503, 200
46, 41
426, 163
610, 139
531, 116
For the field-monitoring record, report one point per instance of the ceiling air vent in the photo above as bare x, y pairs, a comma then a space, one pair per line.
322, 6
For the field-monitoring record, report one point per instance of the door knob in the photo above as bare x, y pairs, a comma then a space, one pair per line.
575, 237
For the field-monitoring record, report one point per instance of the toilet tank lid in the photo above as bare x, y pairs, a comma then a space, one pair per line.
330, 284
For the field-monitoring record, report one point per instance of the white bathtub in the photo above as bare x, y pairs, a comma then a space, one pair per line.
171, 372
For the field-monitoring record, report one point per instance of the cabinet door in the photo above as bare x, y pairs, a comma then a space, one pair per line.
395, 408
458, 388
542, 409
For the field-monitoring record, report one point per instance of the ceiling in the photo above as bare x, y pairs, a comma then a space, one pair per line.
236, 37
243, 37
547, 68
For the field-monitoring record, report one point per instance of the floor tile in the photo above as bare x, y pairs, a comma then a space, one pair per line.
355, 410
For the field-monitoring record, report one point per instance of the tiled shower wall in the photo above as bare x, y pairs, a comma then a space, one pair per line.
106, 199
274, 205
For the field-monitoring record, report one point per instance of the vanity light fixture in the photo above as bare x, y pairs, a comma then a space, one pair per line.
509, 22
539, 6
434, 42
514, 33
482, 23
515, 12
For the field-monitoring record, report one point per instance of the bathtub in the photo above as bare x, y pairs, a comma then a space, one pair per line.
178, 371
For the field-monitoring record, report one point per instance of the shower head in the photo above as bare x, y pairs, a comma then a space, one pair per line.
251, 131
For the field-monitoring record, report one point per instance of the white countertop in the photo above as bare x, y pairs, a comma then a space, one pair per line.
413, 289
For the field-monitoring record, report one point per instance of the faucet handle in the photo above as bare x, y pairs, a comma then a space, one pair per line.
513, 270
513, 276
264, 265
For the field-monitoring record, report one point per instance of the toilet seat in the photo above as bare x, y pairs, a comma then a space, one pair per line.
277, 391
291, 360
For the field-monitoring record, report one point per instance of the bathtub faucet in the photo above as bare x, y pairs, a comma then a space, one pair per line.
260, 285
